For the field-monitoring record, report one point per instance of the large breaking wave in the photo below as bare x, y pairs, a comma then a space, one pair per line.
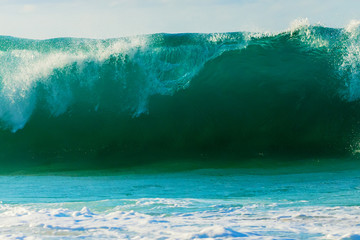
132, 100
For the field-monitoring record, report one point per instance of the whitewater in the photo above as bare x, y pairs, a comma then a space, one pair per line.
235, 135
209, 204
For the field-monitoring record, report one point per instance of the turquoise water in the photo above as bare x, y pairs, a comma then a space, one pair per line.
328, 188
185, 205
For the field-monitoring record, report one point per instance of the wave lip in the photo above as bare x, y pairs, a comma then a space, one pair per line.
57, 67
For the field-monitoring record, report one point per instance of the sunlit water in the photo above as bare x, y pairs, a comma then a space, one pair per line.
188, 205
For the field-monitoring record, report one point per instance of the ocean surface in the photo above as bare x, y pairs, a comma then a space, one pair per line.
182, 136
210, 204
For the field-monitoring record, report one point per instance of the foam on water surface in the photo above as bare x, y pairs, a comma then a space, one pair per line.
219, 219
210, 204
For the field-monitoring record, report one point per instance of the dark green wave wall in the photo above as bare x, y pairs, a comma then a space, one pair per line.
214, 98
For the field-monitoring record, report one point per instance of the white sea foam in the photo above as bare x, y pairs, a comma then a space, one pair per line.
23, 70
130, 220
351, 60
166, 69
298, 24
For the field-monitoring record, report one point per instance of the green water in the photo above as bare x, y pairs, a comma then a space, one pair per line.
87, 104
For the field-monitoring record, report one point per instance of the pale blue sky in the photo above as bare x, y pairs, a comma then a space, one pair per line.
116, 18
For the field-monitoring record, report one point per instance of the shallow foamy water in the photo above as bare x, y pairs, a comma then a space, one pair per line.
220, 204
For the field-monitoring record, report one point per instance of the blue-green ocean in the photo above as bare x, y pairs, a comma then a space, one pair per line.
182, 136
208, 203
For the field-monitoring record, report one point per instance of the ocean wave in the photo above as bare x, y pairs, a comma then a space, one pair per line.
187, 95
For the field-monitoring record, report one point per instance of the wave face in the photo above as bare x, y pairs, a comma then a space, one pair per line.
120, 102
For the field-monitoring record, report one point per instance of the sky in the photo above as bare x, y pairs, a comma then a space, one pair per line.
40, 19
